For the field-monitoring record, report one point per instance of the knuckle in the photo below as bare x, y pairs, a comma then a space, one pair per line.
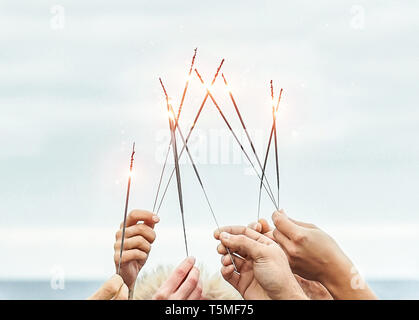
116, 257
180, 273
117, 245
299, 237
141, 255
152, 235
193, 281
134, 213
293, 251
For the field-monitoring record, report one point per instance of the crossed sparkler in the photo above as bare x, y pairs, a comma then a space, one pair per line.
174, 127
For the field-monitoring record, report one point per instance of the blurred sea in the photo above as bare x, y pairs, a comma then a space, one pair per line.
73, 290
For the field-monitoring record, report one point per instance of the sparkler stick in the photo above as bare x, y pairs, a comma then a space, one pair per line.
247, 133
238, 141
201, 184
178, 179
126, 208
177, 119
276, 140
267, 151
189, 135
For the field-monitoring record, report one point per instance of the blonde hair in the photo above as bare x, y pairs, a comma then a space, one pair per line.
214, 286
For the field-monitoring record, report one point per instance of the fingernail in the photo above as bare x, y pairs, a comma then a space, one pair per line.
155, 218
225, 235
191, 259
253, 225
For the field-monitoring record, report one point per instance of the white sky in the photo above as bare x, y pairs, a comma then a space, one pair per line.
72, 101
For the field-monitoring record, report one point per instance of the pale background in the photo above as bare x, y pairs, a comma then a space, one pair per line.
78, 86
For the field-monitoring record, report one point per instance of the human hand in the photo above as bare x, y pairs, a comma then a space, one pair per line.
137, 244
314, 255
183, 283
113, 289
264, 272
314, 290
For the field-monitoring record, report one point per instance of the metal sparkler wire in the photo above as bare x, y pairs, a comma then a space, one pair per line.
201, 183
267, 151
189, 135
238, 141
247, 134
178, 178
177, 119
126, 208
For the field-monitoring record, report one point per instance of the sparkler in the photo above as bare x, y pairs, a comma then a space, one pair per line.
177, 119
275, 139
171, 111
268, 148
247, 134
237, 140
175, 155
126, 207
189, 134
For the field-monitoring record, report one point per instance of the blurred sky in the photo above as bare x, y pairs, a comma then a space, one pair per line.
79, 83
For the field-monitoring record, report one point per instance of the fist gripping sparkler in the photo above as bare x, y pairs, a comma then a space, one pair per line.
126, 207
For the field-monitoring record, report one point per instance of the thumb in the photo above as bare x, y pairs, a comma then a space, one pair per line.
241, 244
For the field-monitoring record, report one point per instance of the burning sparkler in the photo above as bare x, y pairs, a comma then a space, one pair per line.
177, 119
268, 189
126, 207
188, 136
275, 111
172, 116
247, 135
176, 158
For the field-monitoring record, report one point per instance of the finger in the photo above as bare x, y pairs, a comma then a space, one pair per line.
147, 217
270, 235
304, 224
226, 261
265, 226
282, 240
123, 293
285, 225
109, 289
137, 242
138, 230
230, 276
188, 286
243, 245
179, 275
221, 249
242, 230
131, 255
255, 226
197, 293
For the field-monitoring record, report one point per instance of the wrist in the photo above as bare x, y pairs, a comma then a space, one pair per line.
290, 291
345, 283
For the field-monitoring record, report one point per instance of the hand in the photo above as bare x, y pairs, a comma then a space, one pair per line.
183, 283
264, 269
137, 244
113, 289
314, 290
314, 255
